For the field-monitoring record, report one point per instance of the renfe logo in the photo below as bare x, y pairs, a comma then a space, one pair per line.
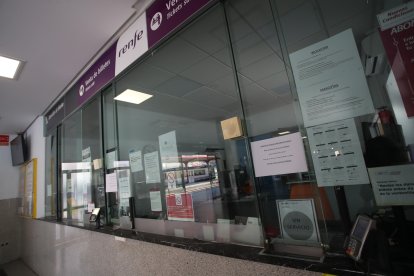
132, 44
156, 21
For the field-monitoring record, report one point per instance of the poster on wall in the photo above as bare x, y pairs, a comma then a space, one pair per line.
337, 154
279, 155
152, 167
297, 220
393, 185
180, 207
330, 80
396, 31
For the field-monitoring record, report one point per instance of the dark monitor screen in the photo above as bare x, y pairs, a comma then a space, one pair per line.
18, 150
361, 228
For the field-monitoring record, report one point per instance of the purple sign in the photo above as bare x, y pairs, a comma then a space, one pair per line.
97, 76
163, 16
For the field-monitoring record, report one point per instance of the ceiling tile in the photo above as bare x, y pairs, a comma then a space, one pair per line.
177, 86
256, 95
208, 96
263, 67
274, 80
177, 56
309, 23
144, 76
206, 71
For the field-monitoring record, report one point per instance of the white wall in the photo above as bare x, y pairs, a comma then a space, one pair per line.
36, 147
9, 180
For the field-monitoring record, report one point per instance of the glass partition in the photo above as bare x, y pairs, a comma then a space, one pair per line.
82, 186
183, 152
51, 174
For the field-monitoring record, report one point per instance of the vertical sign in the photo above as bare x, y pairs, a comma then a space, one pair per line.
397, 35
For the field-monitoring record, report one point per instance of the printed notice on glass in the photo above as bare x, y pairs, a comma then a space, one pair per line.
135, 160
111, 183
280, 155
124, 187
155, 197
168, 147
393, 185
297, 218
330, 80
86, 155
337, 154
152, 167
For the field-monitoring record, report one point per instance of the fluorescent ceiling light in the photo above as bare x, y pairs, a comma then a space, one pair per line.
9, 67
131, 96
284, 132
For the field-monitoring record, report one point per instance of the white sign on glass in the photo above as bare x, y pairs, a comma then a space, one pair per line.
279, 155
168, 147
336, 154
152, 167
330, 80
86, 155
297, 219
393, 185
135, 160
155, 198
111, 183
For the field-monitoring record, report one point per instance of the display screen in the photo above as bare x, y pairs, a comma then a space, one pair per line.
360, 228
18, 150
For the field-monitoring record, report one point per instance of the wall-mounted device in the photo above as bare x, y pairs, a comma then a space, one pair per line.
358, 236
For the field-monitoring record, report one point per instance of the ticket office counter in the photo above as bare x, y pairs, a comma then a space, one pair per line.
239, 139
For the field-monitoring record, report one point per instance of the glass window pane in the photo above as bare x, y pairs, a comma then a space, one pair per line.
82, 182
189, 169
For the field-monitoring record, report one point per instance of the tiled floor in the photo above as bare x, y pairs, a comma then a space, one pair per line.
18, 268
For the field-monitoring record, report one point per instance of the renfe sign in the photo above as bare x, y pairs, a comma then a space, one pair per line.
154, 24
160, 19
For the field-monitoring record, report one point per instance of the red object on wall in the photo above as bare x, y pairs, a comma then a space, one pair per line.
4, 140
399, 46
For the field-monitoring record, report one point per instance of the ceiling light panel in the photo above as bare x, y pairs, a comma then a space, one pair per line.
132, 96
9, 67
